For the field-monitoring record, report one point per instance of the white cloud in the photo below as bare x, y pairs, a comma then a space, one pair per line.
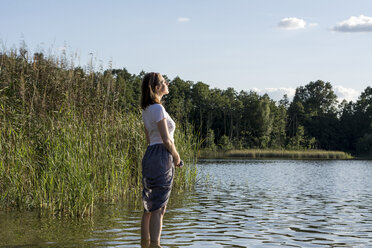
292, 23
276, 93
355, 24
348, 94
313, 25
183, 19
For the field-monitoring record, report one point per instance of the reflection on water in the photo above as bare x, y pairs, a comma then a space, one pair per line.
236, 203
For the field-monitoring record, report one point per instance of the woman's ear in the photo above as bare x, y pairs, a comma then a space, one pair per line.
157, 88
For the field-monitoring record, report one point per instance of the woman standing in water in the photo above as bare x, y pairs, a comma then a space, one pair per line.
160, 157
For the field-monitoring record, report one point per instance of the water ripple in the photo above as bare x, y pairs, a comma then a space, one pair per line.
242, 204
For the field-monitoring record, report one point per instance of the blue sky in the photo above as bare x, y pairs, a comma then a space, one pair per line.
270, 46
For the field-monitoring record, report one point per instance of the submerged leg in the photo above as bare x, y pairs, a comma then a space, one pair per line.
145, 229
156, 223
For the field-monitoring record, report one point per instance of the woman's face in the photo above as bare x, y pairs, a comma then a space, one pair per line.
162, 89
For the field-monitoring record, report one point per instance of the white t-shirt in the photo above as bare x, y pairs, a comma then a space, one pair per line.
151, 116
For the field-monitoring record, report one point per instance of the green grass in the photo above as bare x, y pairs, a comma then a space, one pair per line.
66, 165
66, 144
188, 145
268, 153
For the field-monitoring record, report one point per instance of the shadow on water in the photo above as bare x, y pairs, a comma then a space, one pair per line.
242, 204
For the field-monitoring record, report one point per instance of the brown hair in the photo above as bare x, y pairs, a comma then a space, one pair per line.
149, 82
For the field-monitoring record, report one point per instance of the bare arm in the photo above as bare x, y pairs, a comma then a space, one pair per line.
147, 136
168, 143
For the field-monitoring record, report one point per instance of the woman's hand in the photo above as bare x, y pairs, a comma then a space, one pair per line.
176, 159
180, 165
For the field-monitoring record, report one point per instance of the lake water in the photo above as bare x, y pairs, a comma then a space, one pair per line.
236, 203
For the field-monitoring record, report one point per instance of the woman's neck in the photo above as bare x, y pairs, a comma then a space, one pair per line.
159, 97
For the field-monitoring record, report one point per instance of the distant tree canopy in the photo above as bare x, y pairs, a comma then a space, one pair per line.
313, 120
223, 118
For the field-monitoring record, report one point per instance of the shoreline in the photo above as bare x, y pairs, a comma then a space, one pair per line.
277, 154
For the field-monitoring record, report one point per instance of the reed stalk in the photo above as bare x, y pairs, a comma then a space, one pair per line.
68, 140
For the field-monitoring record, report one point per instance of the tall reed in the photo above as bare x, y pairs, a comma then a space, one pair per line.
69, 140
188, 145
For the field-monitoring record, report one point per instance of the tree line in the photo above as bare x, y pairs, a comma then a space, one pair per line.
224, 119
314, 119
227, 119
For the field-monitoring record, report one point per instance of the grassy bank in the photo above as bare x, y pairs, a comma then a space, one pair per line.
281, 154
69, 140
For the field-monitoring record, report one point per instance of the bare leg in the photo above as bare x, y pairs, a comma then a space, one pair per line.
145, 229
145, 243
156, 223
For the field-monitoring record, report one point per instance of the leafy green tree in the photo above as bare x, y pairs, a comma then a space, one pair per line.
178, 101
209, 140
215, 115
297, 141
200, 99
314, 108
264, 122
363, 112
317, 98
296, 117
279, 120
348, 126
249, 123
128, 88
364, 145
230, 110
225, 143
284, 102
